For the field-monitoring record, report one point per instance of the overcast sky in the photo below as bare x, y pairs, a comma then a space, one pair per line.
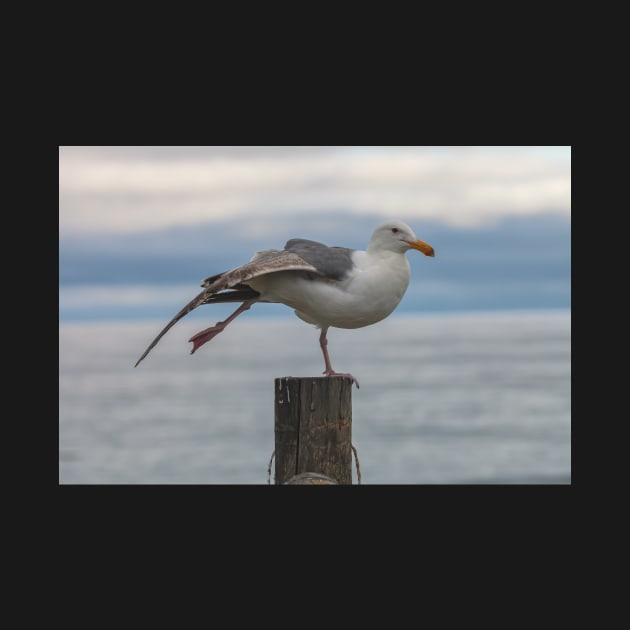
135, 189
134, 219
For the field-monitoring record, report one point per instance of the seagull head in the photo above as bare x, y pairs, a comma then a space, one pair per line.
397, 236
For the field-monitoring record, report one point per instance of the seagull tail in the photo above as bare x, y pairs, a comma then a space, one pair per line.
241, 293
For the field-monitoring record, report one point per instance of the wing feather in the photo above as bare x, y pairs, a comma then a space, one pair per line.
268, 261
264, 262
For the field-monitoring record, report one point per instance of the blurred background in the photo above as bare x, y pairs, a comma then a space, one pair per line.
467, 382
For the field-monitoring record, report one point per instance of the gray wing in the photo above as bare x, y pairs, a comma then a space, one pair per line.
233, 283
267, 261
332, 262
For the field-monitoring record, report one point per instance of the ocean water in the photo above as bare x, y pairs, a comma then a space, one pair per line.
476, 398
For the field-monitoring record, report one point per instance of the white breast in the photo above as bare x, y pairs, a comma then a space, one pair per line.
370, 293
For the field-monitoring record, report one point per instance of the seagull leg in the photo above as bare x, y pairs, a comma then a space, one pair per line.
323, 342
210, 333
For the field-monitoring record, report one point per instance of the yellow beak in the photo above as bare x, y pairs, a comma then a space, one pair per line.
421, 246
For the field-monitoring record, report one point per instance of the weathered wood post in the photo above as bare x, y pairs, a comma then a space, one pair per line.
313, 428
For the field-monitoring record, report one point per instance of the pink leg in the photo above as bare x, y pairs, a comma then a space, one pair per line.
323, 342
210, 333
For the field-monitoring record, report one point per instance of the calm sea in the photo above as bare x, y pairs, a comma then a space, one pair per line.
444, 399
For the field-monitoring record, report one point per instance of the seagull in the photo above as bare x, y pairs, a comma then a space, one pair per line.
326, 286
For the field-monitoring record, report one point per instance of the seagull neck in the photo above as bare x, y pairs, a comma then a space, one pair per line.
379, 252
384, 261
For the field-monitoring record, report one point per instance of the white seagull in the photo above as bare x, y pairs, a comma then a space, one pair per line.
327, 286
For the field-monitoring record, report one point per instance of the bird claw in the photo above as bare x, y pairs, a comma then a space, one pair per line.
348, 376
210, 333
205, 335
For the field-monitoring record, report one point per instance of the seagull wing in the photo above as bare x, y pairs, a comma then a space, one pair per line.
231, 286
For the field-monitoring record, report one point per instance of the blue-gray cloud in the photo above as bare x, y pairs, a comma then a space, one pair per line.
519, 262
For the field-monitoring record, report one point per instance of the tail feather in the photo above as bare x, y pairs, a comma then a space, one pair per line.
241, 295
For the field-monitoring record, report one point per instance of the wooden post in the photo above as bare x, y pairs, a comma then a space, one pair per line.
313, 428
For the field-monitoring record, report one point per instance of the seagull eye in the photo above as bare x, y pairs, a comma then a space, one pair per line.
395, 230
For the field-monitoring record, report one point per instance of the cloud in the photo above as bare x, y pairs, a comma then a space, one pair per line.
520, 262
133, 189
